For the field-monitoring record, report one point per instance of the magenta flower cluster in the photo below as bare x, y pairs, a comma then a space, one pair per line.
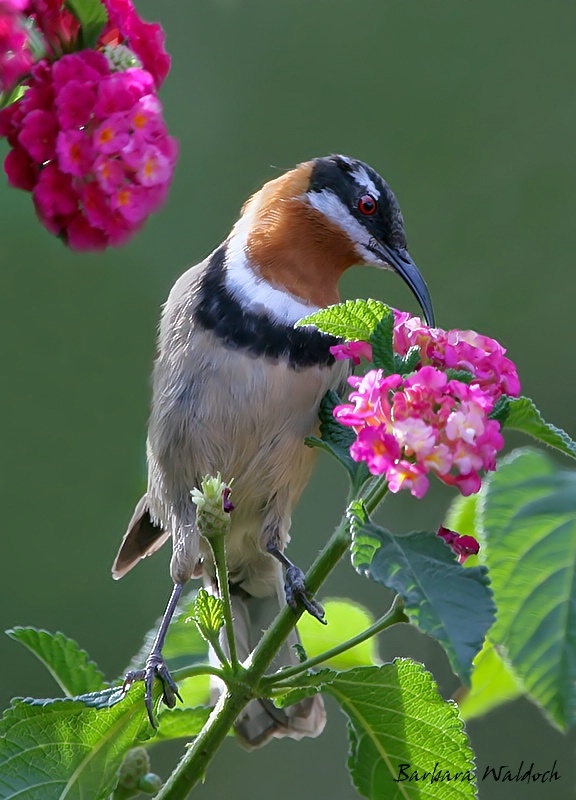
88, 137
408, 427
15, 52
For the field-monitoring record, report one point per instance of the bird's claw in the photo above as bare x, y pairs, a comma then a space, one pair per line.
295, 588
154, 668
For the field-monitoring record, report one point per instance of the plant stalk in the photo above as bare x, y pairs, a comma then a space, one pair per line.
193, 765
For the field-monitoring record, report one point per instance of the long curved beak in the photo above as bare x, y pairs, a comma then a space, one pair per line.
401, 263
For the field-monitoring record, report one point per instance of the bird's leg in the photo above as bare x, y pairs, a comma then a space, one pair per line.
155, 666
295, 586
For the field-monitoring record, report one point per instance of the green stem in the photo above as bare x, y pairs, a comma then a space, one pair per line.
394, 615
192, 767
217, 543
199, 669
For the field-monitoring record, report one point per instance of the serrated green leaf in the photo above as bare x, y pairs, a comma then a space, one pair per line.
528, 514
92, 16
493, 683
69, 665
524, 416
501, 410
451, 603
382, 341
182, 723
462, 515
461, 375
404, 365
347, 619
56, 749
336, 439
208, 614
397, 717
353, 320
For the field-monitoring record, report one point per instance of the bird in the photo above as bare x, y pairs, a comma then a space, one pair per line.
236, 390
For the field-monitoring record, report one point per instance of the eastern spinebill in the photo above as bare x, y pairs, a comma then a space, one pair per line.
236, 389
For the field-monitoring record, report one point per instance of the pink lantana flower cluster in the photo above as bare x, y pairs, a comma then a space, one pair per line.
88, 137
409, 426
15, 52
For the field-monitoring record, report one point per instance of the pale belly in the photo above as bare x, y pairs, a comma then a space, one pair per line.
245, 418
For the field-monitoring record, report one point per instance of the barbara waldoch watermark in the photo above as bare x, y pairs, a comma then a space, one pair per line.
411, 773
502, 773
524, 773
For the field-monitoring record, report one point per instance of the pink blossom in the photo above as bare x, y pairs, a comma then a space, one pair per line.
409, 427
38, 135
20, 169
353, 350
75, 152
406, 475
463, 546
113, 135
92, 147
144, 38
75, 104
15, 53
378, 448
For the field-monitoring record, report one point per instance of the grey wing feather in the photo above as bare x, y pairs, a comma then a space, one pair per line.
141, 539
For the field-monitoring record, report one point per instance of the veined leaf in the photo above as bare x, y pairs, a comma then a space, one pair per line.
451, 603
493, 683
70, 666
347, 619
528, 514
398, 725
382, 341
182, 723
72, 748
353, 320
208, 614
524, 416
92, 16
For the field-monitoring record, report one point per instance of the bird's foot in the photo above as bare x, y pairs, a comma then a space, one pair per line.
154, 668
295, 588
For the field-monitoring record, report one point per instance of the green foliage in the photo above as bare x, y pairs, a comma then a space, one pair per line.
92, 16
55, 749
461, 375
493, 683
353, 320
336, 440
208, 614
182, 723
524, 416
70, 666
443, 599
382, 341
528, 525
397, 716
346, 620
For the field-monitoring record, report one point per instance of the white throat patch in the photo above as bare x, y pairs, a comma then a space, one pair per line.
252, 291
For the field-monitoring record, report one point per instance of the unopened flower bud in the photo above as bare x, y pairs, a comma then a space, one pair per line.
214, 506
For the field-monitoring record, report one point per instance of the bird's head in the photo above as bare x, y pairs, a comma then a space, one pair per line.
301, 231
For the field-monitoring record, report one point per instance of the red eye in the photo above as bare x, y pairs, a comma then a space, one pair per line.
367, 205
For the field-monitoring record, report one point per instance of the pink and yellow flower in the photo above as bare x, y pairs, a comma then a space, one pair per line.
408, 427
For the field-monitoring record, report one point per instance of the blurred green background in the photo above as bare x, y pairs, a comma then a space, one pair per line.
468, 110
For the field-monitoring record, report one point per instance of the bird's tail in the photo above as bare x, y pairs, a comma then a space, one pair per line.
260, 720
